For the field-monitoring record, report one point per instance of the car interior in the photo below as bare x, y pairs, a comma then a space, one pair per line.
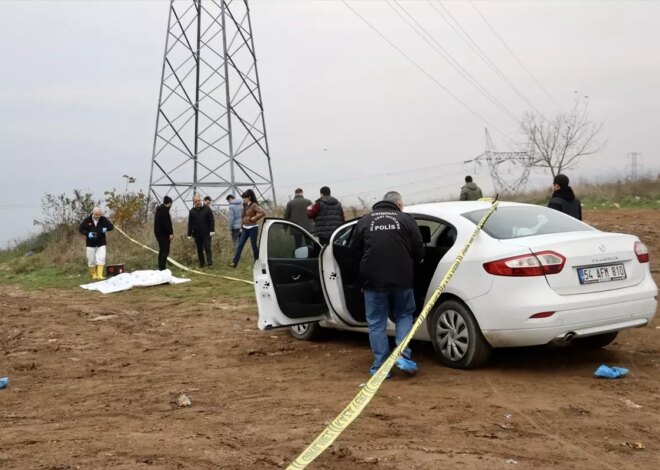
438, 237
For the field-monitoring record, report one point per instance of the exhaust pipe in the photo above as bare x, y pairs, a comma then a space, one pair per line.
568, 337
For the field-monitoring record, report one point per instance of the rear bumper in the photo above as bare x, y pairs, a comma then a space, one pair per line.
576, 322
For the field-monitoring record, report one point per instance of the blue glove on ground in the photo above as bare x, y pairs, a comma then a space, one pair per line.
606, 372
105, 229
90, 235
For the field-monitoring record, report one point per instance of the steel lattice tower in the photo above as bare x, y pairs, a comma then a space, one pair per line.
210, 134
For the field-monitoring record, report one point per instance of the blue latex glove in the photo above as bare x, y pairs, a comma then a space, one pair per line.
4, 381
105, 229
90, 235
606, 372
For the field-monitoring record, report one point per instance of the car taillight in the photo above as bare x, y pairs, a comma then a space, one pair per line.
642, 252
534, 264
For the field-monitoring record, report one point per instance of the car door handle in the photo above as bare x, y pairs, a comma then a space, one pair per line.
296, 277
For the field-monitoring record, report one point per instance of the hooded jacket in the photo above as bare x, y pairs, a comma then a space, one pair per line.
471, 192
200, 221
328, 215
235, 215
163, 222
87, 226
389, 244
564, 200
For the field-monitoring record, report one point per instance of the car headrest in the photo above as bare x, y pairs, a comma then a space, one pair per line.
426, 233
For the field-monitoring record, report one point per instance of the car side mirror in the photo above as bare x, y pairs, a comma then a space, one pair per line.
303, 252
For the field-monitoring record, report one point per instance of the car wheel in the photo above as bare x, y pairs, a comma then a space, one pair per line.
596, 341
306, 331
457, 338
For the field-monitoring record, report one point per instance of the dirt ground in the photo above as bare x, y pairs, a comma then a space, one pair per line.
94, 381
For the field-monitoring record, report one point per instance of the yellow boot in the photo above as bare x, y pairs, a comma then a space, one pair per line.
92, 271
99, 271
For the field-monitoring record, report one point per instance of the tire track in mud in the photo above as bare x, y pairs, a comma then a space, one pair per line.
546, 428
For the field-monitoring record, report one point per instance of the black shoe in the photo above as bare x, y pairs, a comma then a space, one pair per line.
210, 266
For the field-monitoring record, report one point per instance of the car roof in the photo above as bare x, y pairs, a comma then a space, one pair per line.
455, 208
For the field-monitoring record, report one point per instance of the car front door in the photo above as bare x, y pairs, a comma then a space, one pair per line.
287, 279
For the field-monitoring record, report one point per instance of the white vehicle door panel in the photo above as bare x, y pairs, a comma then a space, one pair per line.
287, 276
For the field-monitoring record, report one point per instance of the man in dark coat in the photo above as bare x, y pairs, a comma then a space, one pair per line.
94, 228
563, 198
389, 244
163, 231
296, 212
201, 227
327, 214
470, 191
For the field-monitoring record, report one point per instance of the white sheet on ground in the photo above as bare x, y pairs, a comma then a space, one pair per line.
126, 281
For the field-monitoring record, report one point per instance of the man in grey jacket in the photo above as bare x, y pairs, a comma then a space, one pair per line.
296, 212
470, 191
234, 216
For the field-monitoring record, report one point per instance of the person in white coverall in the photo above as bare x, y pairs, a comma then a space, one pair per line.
94, 228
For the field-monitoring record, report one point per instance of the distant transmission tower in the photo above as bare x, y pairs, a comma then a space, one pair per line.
634, 165
508, 170
210, 131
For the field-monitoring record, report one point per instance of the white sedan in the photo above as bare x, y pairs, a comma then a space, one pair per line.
533, 276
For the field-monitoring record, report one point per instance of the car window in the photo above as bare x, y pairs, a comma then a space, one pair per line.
434, 225
524, 221
343, 236
288, 242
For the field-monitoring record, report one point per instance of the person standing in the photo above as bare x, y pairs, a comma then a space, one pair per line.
207, 201
234, 219
252, 214
327, 214
201, 227
470, 191
94, 228
389, 245
163, 231
296, 212
563, 198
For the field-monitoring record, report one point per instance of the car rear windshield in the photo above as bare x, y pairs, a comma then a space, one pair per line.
525, 221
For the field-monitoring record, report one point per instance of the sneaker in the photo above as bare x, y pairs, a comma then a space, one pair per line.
374, 369
406, 365
231, 265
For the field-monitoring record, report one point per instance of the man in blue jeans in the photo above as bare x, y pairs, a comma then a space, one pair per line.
389, 245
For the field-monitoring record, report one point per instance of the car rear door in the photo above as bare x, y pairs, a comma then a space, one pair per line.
287, 279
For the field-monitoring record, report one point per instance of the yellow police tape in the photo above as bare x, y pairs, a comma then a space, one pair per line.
362, 399
181, 266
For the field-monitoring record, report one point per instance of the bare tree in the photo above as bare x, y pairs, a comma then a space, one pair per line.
559, 143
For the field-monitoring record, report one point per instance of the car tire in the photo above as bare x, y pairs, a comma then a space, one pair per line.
306, 331
596, 341
456, 336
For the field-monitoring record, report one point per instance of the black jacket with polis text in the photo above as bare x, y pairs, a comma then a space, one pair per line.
163, 222
389, 245
87, 226
564, 200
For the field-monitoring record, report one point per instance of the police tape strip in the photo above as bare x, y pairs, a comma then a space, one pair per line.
368, 391
181, 266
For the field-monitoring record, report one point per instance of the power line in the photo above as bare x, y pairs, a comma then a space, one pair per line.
514, 55
442, 52
421, 69
385, 188
480, 52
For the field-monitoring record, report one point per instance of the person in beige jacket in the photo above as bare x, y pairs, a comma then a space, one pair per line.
252, 214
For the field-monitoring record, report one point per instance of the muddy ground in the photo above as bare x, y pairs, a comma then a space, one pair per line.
94, 381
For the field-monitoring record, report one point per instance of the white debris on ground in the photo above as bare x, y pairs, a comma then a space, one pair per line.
126, 281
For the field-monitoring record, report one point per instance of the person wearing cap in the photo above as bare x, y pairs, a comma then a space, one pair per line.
470, 191
296, 212
94, 228
234, 216
163, 231
563, 198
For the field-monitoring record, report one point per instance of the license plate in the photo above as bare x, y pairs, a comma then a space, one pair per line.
605, 273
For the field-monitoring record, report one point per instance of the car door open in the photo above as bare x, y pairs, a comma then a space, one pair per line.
287, 276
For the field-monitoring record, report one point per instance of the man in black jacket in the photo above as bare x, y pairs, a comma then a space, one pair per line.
163, 231
563, 198
389, 244
201, 227
327, 214
94, 228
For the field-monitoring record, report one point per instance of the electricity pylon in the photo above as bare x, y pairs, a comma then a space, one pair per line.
508, 170
210, 134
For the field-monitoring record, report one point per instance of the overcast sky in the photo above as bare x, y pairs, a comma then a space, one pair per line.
79, 84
